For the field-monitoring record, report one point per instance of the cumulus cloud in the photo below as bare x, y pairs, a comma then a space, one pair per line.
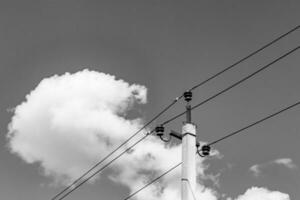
286, 162
256, 193
70, 121
67, 122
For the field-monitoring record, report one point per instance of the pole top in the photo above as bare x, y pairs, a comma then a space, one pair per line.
188, 97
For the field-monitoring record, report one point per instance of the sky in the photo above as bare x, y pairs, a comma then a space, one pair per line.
158, 49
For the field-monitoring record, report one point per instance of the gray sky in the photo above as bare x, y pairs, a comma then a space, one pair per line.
168, 46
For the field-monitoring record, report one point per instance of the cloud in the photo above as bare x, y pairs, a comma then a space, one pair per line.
255, 169
286, 162
69, 122
256, 193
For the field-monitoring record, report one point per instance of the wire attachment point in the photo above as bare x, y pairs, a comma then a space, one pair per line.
160, 130
204, 151
160, 133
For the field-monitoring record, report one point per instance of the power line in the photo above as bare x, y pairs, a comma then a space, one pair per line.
235, 84
170, 105
255, 123
229, 135
225, 90
102, 168
154, 180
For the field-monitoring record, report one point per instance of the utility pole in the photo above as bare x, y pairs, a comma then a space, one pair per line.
189, 148
188, 176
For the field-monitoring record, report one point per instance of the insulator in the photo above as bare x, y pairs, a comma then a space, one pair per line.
159, 130
205, 153
205, 150
188, 96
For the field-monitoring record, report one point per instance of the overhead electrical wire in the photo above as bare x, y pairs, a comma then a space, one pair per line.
153, 181
255, 123
171, 104
234, 85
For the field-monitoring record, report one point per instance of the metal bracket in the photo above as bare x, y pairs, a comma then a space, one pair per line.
176, 135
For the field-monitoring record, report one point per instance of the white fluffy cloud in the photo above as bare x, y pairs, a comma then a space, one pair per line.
256, 193
70, 121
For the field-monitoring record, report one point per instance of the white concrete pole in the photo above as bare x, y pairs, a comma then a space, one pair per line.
188, 180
